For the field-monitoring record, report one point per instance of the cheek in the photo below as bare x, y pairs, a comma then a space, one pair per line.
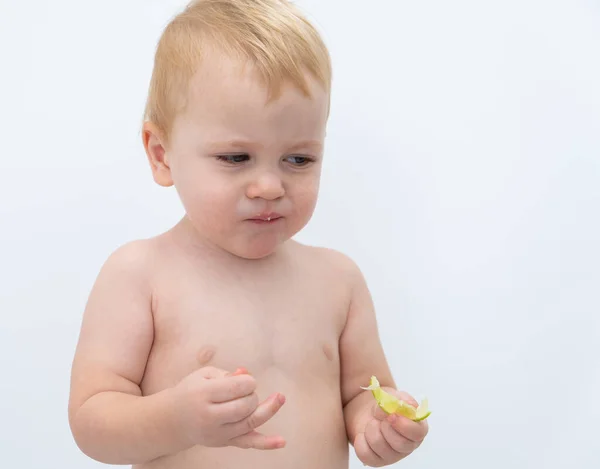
304, 201
213, 202
204, 195
305, 194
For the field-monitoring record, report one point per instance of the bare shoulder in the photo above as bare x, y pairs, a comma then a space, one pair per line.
331, 261
135, 263
132, 258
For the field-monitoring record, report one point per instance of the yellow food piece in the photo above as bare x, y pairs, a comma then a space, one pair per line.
392, 405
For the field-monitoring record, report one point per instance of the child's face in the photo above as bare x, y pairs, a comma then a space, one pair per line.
236, 161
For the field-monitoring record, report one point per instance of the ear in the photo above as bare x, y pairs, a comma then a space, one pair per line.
157, 154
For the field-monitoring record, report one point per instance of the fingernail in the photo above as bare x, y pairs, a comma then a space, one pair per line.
281, 399
393, 418
240, 371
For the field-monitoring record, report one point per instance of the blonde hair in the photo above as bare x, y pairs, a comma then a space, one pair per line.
272, 35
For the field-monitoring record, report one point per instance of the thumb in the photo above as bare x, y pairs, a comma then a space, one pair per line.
403, 396
211, 372
239, 371
379, 413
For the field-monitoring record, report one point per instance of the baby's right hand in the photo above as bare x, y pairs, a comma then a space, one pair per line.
216, 408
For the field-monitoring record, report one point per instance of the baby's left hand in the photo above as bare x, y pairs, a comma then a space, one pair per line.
389, 438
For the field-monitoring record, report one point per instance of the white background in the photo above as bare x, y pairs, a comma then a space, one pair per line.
462, 174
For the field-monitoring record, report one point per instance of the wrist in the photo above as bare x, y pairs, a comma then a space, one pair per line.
357, 413
174, 418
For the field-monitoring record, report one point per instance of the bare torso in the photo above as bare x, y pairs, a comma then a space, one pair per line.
281, 319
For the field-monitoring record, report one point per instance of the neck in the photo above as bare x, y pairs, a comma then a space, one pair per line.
195, 245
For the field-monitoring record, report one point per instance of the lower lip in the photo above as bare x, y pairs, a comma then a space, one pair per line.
265, 222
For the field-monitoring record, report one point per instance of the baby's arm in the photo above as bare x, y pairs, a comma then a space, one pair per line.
110, 420
378, 439
361, 355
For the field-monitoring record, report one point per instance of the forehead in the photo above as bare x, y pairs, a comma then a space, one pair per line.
229, 95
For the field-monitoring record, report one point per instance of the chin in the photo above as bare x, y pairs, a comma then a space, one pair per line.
259, 249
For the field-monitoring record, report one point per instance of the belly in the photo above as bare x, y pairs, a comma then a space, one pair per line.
311, 421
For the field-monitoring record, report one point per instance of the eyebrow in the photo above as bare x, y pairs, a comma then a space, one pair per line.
245, 144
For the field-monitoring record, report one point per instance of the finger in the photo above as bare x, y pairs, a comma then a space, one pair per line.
379, 413
365, 453
378, 443
265, 411
413, 431
231, 387
255, 440
398, 443
403, 396
210, 372
235, 410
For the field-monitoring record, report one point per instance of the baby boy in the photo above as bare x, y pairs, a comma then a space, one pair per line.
222, 342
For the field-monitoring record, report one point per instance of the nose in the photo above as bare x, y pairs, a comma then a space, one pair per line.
267, 186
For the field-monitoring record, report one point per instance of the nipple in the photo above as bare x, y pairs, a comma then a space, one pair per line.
205, 355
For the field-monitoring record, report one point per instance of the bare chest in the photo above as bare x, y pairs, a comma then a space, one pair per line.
290, 326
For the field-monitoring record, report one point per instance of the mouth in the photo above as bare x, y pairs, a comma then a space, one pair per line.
266, 218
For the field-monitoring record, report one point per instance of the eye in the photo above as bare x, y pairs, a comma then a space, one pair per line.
299, 160
234, 159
